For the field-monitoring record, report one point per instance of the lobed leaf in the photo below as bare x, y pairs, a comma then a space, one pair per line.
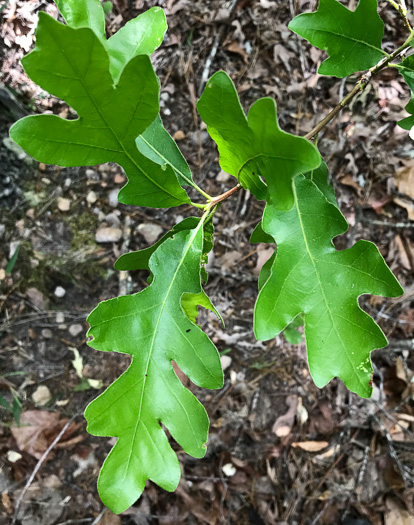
254, 147
308, 276
154, 329
73, 65
352, 39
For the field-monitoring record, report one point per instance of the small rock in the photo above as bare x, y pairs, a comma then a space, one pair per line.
60, 317
52, 482
42, 167
92, 197
150, 232
164, 96
113, 198
167, 112
108, 235
63, 204
119, 179
13, 456
91, 174
47, 333
179, 135
113, 219
198, 137
223, 176
229, 469
2, 274
75, 329
225, 361
2, 230
37, 298
41, 396
60, 292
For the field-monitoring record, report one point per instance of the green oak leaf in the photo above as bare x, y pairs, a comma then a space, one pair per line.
254, 147
310, 277
140, 36
352, 39
152, 327
406, 68
73, 65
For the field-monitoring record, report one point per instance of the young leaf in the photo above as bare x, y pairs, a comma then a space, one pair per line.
72, 64
256, 146
352, 39
406, 68
152, 327
309, 276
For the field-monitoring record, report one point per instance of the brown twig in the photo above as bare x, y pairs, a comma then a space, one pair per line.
359, 87
224, 196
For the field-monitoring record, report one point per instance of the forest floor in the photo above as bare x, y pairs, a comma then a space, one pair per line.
280, 450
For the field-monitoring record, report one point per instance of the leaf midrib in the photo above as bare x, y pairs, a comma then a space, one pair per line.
345, 37
189, 181
325, 300
91, 98
151, 350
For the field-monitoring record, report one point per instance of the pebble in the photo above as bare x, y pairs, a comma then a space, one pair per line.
108, 235
60, 292
196, 137
113, 198
91, 174
223, 176
47, 333
37, 298
179, 135
150, 232
113, 219
63, 204
2, 230
167, 112
41, 396
13, 456
225, 361
60, 317
75, 329
229, 469
92, 197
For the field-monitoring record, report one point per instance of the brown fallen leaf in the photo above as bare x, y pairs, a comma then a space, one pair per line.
310, 446
395, 514
37, 430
